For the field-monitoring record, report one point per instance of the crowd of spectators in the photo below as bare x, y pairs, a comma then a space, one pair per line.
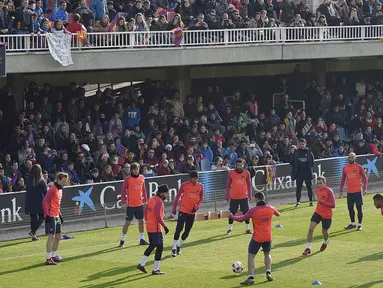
96, 138
34, 16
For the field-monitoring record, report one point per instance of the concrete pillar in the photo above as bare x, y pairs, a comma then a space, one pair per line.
180, 76
318, 68
17, 83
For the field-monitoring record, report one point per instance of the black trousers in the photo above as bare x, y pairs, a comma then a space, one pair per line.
159, 248
309, 189
36, 221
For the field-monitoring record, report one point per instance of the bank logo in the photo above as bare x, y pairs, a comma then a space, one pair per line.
82, 199
371, 167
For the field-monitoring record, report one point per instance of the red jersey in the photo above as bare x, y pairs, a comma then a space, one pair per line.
154, 214
52, 202
326, 202
353, 175
261, 218
192, 197
133, 191
238, 185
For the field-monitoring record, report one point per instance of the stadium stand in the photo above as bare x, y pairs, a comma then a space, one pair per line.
96, 138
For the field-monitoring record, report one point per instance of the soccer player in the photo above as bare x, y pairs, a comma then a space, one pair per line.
378, 202
192, 197
154, 215
261, 216
133, 196
353, 174
238, 191
53, 218
323, 213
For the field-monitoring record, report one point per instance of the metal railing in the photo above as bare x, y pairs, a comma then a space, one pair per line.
165, 39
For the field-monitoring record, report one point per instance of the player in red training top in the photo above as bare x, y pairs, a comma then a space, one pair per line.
261, 217
378, 202
323, 213
53, 218
154, 215
133, 197
353, 174
192, 197
238, 191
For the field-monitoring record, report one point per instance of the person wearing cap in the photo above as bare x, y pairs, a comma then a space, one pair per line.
154, 215
302, 163
192, 193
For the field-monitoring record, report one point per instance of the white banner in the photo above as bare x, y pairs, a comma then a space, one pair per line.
60, 47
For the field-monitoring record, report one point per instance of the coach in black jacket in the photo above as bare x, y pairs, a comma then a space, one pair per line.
302, 163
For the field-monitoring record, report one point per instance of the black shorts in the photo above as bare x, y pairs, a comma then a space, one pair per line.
135, 212
326, 223
185, 218
155, 238
53, 227
354, 198
243, 205
254, 246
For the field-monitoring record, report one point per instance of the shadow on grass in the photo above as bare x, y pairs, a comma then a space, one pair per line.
80, 256
367, 285
297, 242
120, 270
371, 257
18, 242
276, 266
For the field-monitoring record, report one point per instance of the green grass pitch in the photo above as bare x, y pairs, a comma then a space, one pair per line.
352, 259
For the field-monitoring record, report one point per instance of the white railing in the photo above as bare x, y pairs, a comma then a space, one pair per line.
165, 39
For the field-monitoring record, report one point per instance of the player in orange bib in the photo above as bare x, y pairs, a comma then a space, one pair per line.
154, 215
353, 174
238, 192
133, 197
378, 202
323, 213
192, 197
53, 218
261, 217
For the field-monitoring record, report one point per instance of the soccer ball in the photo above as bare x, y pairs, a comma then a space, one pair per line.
237, 267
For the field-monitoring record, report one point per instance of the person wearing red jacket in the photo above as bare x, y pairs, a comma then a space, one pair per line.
374, 148
76, 26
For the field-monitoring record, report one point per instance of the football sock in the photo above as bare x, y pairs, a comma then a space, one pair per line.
141, 236
230, 227
156, 265
143, 260
175, 244
53, 253
268, 271
308, 245
49, 255
325, 242
180, 243
123, 237
247, 226
352, 223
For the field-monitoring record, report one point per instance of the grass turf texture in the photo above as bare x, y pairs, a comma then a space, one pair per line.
92, 259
